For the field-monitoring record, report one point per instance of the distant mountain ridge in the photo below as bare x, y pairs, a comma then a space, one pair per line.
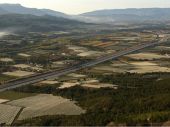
23, 19
130, 11
100, 16
19, 9
32, 23
131, 14
2, 11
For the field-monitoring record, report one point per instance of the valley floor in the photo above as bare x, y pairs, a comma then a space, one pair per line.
131, 90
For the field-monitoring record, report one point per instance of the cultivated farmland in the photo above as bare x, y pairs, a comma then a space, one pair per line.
45, 104
3, 100
18, 73
8, 113
148, 56
6, 60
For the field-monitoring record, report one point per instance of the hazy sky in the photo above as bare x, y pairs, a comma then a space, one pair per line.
80, 6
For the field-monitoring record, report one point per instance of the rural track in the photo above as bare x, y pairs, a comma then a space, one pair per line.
53, 74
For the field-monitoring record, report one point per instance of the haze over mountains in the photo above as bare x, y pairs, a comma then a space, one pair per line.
132, 14
15, 16
100, 16
19, 9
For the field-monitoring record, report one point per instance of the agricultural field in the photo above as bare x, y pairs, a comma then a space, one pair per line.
90, 53
75, 79
100, 85
148, 56
51, 51
49, 82
83, 51
147, 67
45, 104
26, 66
68, 85
3, 101
148, 61
23, 55
117, 41
127, 88
12, 95
8, 113
75, 75
113, 92
18, 73
132, 67
5, 78
6, 60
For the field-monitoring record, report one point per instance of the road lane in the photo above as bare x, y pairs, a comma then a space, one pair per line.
53, 74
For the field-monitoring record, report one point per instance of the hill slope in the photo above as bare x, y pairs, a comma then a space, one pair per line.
2, 11
37, 23
130, 15
18, 9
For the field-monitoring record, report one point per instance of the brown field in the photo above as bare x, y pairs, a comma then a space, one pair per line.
132, 67
148, 56
77, 48
23, 55
46, 104
6, 60
8, 113
147, 67
100, 85
25, 66
68, 85
3, 100
109, 68
89, 53
50, 82
18, 73
76, 75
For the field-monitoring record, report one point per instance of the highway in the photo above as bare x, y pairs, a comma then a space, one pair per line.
53, 74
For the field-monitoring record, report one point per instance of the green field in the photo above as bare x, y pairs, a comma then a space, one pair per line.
12, 95
4, 78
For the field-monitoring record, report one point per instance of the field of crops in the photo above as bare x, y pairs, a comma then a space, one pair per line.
46, 104
12, 95
147, 56
8, 113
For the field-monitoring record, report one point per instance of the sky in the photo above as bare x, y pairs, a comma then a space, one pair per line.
81, 6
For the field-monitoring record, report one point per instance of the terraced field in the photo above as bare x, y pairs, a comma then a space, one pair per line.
8, 113
45, 104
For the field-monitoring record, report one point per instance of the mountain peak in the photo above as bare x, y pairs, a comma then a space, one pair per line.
6, 4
